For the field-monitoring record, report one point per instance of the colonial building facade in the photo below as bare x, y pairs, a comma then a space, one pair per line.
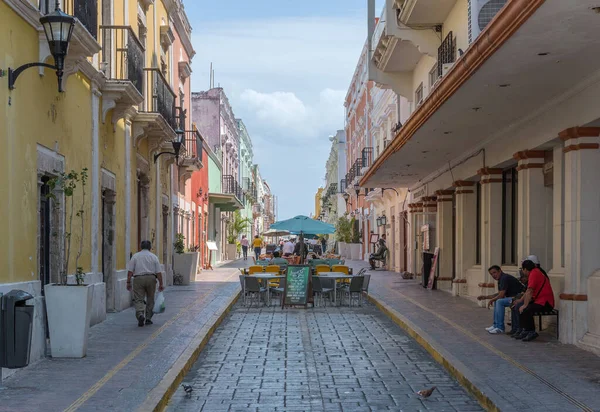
500, 160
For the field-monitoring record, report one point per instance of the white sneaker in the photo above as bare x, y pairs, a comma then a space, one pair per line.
495, 331
490, 328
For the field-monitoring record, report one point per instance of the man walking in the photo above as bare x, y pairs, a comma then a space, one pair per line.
144, 268
257, 245
244, 243
508, 287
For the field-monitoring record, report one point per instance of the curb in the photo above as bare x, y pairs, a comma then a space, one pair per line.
456, 368
159, 396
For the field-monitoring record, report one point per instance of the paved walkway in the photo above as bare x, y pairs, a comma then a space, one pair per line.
526, 376
124, 362
322, 359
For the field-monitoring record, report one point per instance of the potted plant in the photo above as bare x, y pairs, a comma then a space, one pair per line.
185, 264
343, 235
235, 227
69, 306
355, 245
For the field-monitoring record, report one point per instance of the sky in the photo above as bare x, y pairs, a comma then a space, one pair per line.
285, 66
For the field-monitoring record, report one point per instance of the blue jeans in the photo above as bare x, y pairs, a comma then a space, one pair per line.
499, 306
516, 322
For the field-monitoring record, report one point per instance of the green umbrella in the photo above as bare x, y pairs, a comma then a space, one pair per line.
304, 225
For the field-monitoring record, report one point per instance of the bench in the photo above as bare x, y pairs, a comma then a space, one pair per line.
382, 260
553, 312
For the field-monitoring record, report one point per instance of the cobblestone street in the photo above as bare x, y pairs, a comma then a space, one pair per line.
323, 359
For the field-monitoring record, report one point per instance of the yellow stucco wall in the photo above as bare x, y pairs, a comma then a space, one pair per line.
458, 22
37, 113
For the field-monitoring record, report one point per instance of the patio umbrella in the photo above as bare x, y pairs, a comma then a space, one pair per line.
304, 225
276, 232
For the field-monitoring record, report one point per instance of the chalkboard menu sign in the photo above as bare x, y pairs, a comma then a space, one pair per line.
296, 285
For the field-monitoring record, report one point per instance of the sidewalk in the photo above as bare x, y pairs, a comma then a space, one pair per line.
510, 375
125, 362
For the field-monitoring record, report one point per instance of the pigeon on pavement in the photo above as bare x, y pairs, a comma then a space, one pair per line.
188, 389
426, 393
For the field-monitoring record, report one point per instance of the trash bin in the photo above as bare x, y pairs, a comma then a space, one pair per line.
427, 261
16, 323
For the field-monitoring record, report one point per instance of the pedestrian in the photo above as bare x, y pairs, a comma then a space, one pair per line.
244, 243
257, 244
508, 287
324, 245
144, 268
539, 297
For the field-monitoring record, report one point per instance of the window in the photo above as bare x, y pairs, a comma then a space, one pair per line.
478, 224
433, 76
509, 217
419, 95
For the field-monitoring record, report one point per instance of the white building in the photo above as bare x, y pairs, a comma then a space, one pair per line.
501, 148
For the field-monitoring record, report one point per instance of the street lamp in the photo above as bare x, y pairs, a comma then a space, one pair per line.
176, 146
58, 27
383, 220
378, 220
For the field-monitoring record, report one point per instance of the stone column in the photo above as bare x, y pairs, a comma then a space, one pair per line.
582, 237
531, 202
444, 239
557, 271
491, 228
95, 179
466, 225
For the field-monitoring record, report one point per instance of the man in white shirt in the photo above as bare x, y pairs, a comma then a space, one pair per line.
144, 268
288, 248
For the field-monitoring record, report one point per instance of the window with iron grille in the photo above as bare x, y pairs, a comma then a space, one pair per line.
419, 95
446, 52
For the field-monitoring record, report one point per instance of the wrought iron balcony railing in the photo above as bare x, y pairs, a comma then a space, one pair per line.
232, 187
446, 53
193, 145
367, 157
343, 185
159, 97
122, 56
86, 11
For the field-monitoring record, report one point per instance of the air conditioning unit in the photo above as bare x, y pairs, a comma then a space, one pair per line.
446, 67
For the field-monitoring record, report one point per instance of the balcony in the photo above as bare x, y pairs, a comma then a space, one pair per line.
397, 51
156, 118
191, 161
366, 159
423, 13
232, 187
343, 185
122, 62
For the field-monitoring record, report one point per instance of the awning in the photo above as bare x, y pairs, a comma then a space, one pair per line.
226, 202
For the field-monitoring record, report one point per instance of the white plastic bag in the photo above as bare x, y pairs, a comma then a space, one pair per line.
159, 303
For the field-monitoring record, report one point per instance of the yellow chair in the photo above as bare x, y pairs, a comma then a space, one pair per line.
255, 269
341, 268
275, 269
321, 269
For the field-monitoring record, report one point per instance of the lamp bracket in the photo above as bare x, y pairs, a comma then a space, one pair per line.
157, 155
14, 74
389, 188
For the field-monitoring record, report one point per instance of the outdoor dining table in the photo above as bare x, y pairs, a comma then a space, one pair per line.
335, 276
266, 276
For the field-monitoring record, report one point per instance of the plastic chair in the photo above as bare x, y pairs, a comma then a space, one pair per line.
275, 270
255, 269
253, 287
365, 286
319, 290
279, 289
340, 268
321, 269
262, 262
242, 284
355, 289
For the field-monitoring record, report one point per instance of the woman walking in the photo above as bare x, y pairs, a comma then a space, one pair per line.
244, 243
257, 244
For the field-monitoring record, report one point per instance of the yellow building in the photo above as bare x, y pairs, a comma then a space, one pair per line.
318, 196
118, 110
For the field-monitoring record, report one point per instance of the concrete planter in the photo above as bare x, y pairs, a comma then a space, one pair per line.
355, 251
186, 265
343, 249
69, 315
231, 251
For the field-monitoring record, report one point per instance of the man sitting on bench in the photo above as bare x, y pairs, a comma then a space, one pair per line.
539, 297
380, 255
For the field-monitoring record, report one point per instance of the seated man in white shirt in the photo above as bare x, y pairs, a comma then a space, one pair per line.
144, 268
288, 248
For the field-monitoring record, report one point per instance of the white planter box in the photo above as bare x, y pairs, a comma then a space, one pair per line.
186, 265
69, 314
354, 251
231, 251
343, 248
